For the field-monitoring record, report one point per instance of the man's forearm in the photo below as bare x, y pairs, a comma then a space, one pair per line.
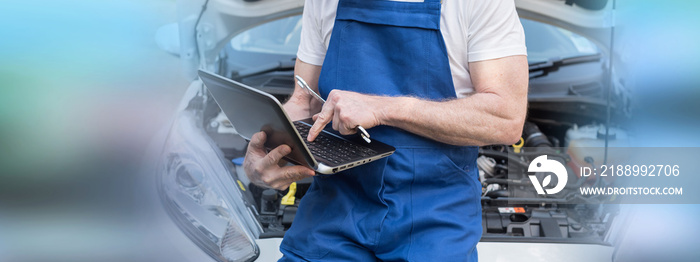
301, 105
480, 119
494, 114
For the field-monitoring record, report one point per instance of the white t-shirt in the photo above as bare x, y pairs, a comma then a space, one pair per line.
474, 30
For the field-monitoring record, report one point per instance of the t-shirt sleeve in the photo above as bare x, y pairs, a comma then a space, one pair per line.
311, 50
494, 30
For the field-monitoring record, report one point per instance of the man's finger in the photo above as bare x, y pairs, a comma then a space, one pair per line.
336, 121
296, 173
345, 129
257, 143
276, 155
258, 140
322, 120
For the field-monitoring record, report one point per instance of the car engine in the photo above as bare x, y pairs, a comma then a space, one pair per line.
511, 210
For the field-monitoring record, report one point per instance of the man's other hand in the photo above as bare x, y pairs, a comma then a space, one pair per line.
348, 110
263, 168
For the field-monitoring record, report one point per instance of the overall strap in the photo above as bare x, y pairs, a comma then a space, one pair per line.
424, 15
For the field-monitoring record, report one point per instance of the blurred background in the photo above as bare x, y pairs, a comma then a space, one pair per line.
84, 88
660, 59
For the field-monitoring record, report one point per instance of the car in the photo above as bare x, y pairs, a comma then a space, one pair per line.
574, 97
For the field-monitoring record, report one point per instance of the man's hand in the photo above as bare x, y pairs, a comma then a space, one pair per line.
263, 168
348, 110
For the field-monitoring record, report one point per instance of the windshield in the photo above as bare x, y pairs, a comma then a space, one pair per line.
276, 37
545, 42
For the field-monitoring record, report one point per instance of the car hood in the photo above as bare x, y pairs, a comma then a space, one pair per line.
578, 13
206, 25
583, 13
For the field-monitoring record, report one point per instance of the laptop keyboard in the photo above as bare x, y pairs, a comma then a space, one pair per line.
332, 149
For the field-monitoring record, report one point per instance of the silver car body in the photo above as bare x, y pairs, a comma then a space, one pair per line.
203, 32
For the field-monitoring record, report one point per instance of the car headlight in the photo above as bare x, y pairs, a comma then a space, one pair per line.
201, 193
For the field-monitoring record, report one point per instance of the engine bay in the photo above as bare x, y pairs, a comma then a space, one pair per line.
511, 211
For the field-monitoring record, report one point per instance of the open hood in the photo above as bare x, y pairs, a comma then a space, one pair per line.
579, 13
589, 18
206, 25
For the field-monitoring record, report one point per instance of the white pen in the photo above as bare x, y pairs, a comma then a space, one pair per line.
302, 83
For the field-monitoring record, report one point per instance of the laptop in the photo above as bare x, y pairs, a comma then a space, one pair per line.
251, 110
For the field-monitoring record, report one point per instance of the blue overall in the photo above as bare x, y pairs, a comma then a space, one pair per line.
420, 204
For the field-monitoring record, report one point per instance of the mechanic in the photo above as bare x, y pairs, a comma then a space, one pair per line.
435, 80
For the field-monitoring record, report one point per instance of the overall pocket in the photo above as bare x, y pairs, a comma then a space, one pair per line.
452, 175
